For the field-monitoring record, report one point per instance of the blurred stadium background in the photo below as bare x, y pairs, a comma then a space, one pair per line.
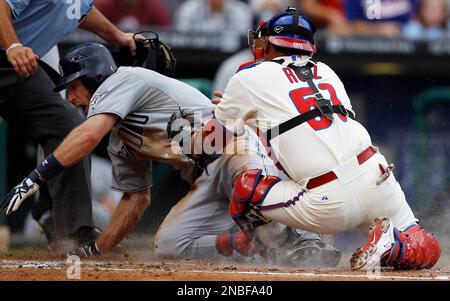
392, 56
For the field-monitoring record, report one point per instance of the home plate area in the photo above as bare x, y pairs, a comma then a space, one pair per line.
157, 269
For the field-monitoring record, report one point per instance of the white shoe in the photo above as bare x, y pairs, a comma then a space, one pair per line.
381, 239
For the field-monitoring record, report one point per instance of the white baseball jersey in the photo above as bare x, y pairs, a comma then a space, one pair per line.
269, 93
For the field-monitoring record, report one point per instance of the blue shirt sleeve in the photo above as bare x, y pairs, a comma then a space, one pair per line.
86, 6
353, 10
17, 6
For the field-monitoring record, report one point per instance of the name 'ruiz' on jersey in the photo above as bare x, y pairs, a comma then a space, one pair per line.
270, 93
144, 100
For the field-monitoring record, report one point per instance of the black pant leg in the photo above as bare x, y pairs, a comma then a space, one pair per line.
31, 105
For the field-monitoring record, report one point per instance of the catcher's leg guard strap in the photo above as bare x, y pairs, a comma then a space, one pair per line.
250, 188
414, 248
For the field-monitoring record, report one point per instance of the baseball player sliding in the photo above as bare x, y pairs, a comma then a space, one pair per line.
135, 104
338, 180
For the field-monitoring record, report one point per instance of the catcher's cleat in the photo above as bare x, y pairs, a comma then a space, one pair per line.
313, 254
303, 250
381, 239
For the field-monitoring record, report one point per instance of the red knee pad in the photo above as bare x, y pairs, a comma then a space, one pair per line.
414, 248
235, 239
250, 187
243, 244
224, 244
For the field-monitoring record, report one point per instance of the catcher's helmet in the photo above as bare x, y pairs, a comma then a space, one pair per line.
90, 62
288, 30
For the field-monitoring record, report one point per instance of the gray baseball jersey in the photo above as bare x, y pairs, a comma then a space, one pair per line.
144, 100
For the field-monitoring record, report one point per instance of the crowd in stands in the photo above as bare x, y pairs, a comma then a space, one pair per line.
411, 19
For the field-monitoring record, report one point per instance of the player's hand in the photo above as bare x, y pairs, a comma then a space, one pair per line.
85, 251
12, 201
23, 60
125, 39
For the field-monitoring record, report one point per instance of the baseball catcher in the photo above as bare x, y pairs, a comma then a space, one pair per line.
337, 179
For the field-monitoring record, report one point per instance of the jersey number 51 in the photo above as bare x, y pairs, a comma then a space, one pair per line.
305, 101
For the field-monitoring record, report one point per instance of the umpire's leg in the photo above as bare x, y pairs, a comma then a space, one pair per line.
30, 104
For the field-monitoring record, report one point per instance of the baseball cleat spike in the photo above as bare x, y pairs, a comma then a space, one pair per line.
381, 238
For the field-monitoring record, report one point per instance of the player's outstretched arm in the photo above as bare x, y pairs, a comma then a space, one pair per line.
126, 216
84, 138
78, 144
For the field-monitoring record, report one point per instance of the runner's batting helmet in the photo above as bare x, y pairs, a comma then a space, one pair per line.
90, 62
287, 30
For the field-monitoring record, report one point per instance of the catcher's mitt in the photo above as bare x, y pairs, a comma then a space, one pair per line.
181, 127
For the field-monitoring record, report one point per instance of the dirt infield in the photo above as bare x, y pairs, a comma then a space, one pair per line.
146, 267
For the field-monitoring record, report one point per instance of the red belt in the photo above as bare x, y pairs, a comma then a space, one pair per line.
330, 176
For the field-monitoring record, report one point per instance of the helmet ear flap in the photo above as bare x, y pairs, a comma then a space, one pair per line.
92, 82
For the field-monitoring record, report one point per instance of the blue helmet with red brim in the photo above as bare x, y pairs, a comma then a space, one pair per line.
288, 30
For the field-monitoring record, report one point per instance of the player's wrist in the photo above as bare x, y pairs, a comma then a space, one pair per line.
117, 37
49, 168
35, 177
13, 46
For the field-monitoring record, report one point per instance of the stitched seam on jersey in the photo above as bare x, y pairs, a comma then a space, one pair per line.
283, 204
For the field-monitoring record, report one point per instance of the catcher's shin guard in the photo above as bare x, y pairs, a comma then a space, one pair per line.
414, 248
234, 239
250, 189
